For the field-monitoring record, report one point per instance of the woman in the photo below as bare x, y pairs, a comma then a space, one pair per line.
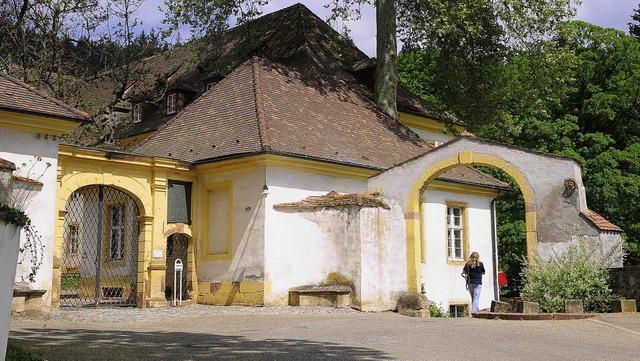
474, 269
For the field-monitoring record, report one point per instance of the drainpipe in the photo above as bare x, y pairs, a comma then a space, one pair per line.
494, 244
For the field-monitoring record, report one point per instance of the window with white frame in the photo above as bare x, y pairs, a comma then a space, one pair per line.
73, 240
137, 113
171, 103
455, 232
116, 243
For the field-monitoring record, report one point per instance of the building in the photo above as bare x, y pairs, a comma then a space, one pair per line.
266, 166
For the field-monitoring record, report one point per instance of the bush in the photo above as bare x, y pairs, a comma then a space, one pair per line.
575, 274
15, 353
436, 311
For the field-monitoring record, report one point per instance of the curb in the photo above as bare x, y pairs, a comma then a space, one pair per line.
533, 316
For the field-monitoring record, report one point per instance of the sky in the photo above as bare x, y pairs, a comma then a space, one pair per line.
605, 13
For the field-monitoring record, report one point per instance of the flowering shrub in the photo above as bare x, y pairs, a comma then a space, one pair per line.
576, 274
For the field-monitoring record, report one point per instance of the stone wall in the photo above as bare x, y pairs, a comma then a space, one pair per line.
625, 281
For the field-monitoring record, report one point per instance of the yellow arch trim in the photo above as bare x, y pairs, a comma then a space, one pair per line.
413, 219
140, 193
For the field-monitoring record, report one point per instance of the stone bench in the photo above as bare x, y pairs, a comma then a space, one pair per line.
328, 295
26, 300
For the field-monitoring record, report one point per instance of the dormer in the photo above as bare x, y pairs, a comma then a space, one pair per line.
137, 112
176, 100
171, 102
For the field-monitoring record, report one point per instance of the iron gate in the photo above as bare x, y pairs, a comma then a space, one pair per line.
100, 248
177, 248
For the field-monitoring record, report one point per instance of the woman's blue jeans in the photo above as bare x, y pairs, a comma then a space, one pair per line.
474, 291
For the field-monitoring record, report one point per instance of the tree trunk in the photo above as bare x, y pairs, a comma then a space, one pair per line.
386, 50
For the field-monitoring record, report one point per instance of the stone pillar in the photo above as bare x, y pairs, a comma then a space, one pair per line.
144, 259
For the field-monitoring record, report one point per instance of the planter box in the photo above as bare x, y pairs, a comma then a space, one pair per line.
573, 306
528, 307
624, 306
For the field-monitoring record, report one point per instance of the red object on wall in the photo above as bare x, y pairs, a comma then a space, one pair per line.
502, 279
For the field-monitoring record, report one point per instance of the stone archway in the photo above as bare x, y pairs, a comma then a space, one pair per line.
542, 178
139, 194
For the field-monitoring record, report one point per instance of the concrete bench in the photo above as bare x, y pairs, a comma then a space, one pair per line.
26, 300
328, 295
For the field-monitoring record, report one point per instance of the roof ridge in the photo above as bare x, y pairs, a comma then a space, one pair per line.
259, 103
44, 95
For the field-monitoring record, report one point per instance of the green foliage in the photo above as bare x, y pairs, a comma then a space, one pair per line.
67, 282
13, 216
435, 310
15, 353
576, 274
575, 94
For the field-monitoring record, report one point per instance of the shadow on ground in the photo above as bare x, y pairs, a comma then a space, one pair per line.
57, 344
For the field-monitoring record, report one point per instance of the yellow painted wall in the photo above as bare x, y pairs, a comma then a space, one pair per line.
231, 293
145, 180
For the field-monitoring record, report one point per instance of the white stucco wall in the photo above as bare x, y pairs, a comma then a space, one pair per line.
442, 280
20, 147
247, 260
302, 248
439, 138
383, 259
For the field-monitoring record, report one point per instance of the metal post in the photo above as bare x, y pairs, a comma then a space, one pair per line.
177, 267
99, 247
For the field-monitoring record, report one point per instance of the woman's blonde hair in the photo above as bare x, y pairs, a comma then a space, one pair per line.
473, 257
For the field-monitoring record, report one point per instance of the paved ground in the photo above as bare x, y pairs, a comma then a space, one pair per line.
316, 333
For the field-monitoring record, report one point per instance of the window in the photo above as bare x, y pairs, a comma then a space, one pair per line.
457, 311
137, 113
455, 233
116, 242
171, 103
73, 240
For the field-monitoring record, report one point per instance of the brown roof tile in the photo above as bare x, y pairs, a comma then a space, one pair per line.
337, 200
600, 221
265, 106
472, 176
18, 96
7, 165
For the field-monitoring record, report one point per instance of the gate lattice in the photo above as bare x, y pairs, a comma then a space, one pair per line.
100, 248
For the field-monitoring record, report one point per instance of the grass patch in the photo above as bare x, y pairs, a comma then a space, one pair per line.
15, 353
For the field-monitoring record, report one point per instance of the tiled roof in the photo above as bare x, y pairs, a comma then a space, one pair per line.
293, 36
337, 200
600, 221
472, 176
20, 97
7, 165
265, 106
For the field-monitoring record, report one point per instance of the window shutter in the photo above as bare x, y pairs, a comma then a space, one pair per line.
179, 198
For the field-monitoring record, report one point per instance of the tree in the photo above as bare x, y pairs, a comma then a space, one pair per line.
35, 34
634, 27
